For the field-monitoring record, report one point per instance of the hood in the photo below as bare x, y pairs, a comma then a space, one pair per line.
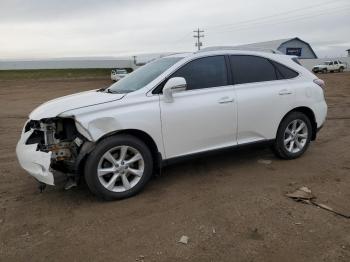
59, 105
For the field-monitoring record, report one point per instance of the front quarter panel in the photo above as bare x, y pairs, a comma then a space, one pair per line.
139, 112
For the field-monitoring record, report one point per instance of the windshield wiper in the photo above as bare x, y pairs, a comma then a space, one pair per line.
101, 89
105, 89
110, 91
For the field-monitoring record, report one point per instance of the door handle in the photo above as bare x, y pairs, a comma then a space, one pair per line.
225, 100
285, 92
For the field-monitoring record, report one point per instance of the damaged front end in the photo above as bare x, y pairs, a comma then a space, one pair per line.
50, 145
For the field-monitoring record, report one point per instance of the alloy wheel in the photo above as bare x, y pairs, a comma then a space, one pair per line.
295, 136
120, 168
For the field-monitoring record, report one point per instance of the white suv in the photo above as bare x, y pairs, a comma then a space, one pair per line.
176, 106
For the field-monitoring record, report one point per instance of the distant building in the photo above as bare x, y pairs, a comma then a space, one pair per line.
291, 46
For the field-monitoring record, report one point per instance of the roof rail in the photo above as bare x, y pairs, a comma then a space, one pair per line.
242, 48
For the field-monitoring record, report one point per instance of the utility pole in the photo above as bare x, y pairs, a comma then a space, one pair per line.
198, 35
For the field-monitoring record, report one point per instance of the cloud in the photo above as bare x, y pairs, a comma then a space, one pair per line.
55, 28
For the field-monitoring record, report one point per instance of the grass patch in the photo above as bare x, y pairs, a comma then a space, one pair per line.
54, 73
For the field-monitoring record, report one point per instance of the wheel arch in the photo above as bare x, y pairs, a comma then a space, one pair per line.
143, 136
310, 114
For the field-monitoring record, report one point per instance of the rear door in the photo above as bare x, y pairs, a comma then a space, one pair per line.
331, 66
264, 96
336, 65
204, 116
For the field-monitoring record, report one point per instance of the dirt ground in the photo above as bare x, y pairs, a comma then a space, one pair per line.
230, 206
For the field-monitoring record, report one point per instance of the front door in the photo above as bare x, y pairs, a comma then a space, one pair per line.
203, 117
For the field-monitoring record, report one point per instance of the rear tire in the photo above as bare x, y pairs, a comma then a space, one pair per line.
293, 136
341, 69
119, 167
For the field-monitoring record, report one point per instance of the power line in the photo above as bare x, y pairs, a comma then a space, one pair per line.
276, 18
198, 36
282, 20
274, 15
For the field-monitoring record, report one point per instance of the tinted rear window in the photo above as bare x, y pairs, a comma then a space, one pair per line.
284, 72
249, 69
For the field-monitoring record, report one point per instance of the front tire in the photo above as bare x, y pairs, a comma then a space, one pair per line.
119, 167
293, 136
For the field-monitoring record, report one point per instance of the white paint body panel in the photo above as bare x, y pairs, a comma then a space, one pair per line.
135, 111
59, 105
261, 107
200, 120
36, 163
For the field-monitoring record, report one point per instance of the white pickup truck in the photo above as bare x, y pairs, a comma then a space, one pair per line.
117, 74
329, 66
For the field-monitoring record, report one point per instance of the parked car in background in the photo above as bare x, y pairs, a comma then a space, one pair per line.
173, 108
117, 74
329, 66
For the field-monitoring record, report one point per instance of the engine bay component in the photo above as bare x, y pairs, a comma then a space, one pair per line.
61, 151
56, 141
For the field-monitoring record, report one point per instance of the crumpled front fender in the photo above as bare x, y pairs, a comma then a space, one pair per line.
102, 126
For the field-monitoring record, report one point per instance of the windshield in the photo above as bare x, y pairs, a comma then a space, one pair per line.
327, 63
143, 75
121, 72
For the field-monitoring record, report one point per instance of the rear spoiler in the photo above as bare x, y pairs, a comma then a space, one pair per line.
296, 60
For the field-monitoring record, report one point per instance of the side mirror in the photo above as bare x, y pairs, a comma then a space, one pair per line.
173, 85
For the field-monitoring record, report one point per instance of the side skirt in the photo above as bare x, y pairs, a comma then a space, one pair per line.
189, 157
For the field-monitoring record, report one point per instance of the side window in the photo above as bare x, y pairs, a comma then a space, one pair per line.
331, 63
335, 62
249, 69
204, 72
284, 72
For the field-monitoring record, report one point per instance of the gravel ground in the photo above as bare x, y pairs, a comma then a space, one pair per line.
231, 206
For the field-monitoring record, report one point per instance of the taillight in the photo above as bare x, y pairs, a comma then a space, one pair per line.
320, 83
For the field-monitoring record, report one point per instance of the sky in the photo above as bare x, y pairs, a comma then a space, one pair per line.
83, 28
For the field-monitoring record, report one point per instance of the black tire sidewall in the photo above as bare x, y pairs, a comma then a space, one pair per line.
279, 142
102, 147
